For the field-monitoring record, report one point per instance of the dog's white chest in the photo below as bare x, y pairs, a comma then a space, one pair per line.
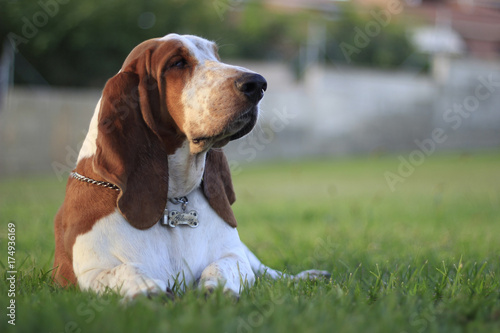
162, 252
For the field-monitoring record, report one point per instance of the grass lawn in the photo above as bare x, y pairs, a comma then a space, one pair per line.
421, 258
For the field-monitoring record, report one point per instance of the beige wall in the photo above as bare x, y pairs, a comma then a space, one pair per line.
332, 111
39, 127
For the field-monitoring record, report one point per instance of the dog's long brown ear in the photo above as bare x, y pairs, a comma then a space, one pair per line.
218, 187
129, 152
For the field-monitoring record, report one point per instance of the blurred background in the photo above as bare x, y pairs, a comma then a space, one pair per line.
345, 77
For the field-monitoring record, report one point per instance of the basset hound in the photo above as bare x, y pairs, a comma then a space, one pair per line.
148, 205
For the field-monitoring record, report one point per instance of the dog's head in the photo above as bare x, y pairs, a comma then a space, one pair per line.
170, 91
209, 102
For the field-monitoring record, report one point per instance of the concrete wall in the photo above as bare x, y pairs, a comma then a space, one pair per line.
40, 127
332, 111
345, 111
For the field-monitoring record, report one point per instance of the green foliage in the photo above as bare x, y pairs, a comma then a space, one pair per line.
421, 259
83, 43
376, 37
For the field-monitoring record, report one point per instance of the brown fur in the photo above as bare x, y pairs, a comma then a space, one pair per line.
84, 204
218, 187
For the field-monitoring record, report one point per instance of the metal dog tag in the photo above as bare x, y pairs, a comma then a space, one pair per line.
176, 218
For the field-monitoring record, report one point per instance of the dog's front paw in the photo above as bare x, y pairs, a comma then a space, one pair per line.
150, 288
312, 274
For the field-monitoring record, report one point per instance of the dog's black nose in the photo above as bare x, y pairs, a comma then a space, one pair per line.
252, 86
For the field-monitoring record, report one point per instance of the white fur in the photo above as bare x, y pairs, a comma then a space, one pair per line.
185, 171
89, 144
116, 255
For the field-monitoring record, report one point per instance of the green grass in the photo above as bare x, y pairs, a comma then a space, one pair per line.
424, 258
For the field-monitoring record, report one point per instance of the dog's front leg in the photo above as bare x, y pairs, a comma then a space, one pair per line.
127, 279
232, 272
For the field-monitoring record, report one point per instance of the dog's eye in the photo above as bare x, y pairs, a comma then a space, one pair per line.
177, 62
